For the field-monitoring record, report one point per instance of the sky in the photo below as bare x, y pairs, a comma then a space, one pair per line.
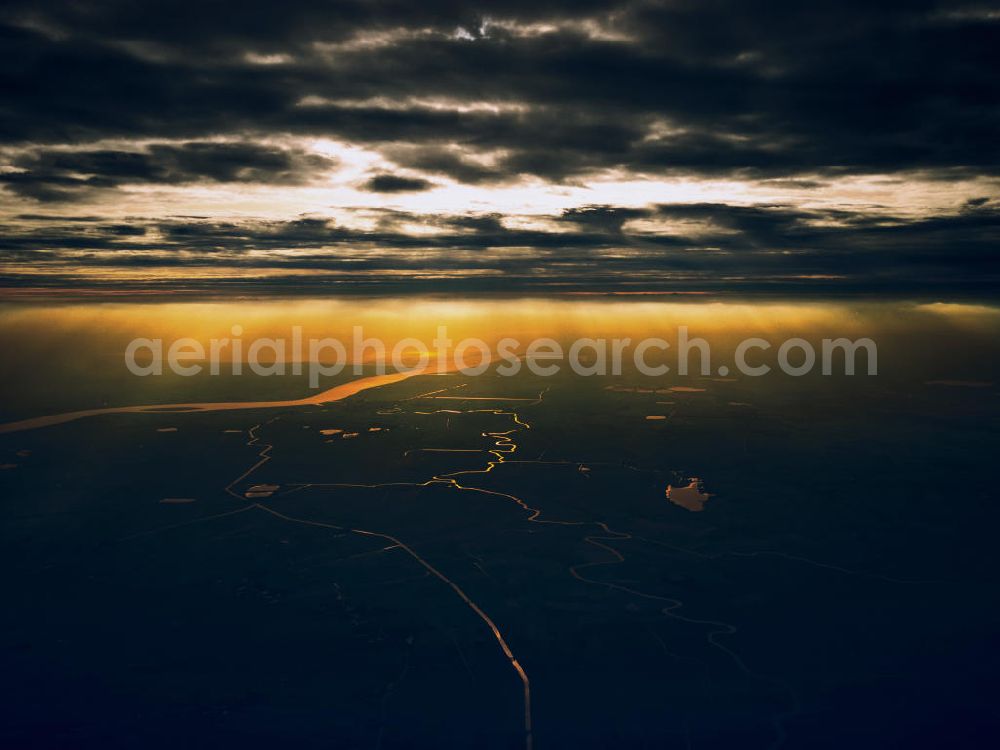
556, 148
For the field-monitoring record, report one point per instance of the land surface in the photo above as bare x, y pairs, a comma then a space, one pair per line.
448, 561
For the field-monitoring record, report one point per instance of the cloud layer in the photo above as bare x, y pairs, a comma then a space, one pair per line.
442, 109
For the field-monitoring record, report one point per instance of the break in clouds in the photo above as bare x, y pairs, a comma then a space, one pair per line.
552, 147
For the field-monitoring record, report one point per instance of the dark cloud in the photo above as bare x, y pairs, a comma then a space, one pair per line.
604, 218
125, 230
705, 246
392, 183
62, 175
217, 29
494, 94
772, 87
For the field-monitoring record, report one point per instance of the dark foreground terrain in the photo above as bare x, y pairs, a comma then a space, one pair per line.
419, 564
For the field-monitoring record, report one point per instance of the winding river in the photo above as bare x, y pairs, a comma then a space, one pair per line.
337, 393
